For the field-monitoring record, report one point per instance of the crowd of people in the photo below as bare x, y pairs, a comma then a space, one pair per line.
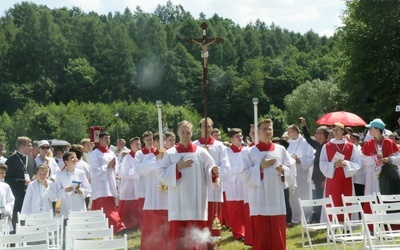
180, 195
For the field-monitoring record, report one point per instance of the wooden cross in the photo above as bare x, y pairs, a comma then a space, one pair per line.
204, 42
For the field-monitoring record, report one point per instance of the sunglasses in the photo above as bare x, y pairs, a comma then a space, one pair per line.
45, 147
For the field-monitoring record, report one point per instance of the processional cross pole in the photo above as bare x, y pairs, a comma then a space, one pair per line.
204, 42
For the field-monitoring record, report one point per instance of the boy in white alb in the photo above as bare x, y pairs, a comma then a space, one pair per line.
40, 193
188, 171
234, 186
155, 210
127, 207
303, 154
72, 186
217, 151
103, 162
268, 169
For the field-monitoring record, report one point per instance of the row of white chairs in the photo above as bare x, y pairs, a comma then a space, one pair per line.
84, 230
343, 231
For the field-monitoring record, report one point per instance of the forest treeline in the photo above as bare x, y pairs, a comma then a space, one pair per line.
68, 58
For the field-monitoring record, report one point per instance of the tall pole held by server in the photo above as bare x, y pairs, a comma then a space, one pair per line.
204, 42
116, 123
160, 125
255, 103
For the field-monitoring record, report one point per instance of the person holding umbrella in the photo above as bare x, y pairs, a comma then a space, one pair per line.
339, 161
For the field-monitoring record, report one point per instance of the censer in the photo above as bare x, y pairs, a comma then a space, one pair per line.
216, 225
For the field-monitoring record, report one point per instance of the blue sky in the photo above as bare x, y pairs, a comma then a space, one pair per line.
322, 16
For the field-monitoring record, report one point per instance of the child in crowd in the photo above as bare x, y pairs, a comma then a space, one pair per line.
39, 193
72, 186
6, 197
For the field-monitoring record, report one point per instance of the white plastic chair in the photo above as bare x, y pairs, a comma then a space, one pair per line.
306, 228
114, 244
44, 215
380, 231
353, 200
42, 221
89, 225
96, 233
52, 225
393, 209
79, 220
21, 240
44, 246
343, 234
86, 214
371, 199
384, 198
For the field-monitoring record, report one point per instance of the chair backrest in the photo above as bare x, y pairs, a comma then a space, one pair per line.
388, 198
41, 221
334, 213
88, 225
371, 199
55, 235
44, 246
381, 225
79, 220
114, 244
85, 214
104, 233
385, 208
312, 203
20, 239
54, 225
44, 215
316, 202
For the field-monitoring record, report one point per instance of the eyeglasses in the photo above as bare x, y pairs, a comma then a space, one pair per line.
45, 147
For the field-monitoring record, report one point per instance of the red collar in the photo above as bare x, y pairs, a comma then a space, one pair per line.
153, 150
132, 153
265, 146
236, 149
190, 148
210, 140
251, 144
103, 149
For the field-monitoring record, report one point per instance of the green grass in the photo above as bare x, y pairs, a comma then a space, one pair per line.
293, 240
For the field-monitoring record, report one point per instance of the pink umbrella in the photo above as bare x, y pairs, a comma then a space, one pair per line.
346, 118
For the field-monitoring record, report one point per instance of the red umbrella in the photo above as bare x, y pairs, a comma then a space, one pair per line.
346, 118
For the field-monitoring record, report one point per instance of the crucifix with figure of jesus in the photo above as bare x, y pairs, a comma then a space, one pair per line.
204, 42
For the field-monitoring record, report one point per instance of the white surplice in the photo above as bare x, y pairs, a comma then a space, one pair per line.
266, 195
234, 185
155, 199
103, 178
217, 151
129, 178
187, 196
302, 188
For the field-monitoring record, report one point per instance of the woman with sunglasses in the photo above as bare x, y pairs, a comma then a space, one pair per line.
45, 157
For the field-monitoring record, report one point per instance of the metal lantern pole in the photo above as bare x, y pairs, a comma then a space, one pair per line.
160, 125
255, 103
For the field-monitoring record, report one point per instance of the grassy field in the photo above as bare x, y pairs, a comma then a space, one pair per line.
293, 240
